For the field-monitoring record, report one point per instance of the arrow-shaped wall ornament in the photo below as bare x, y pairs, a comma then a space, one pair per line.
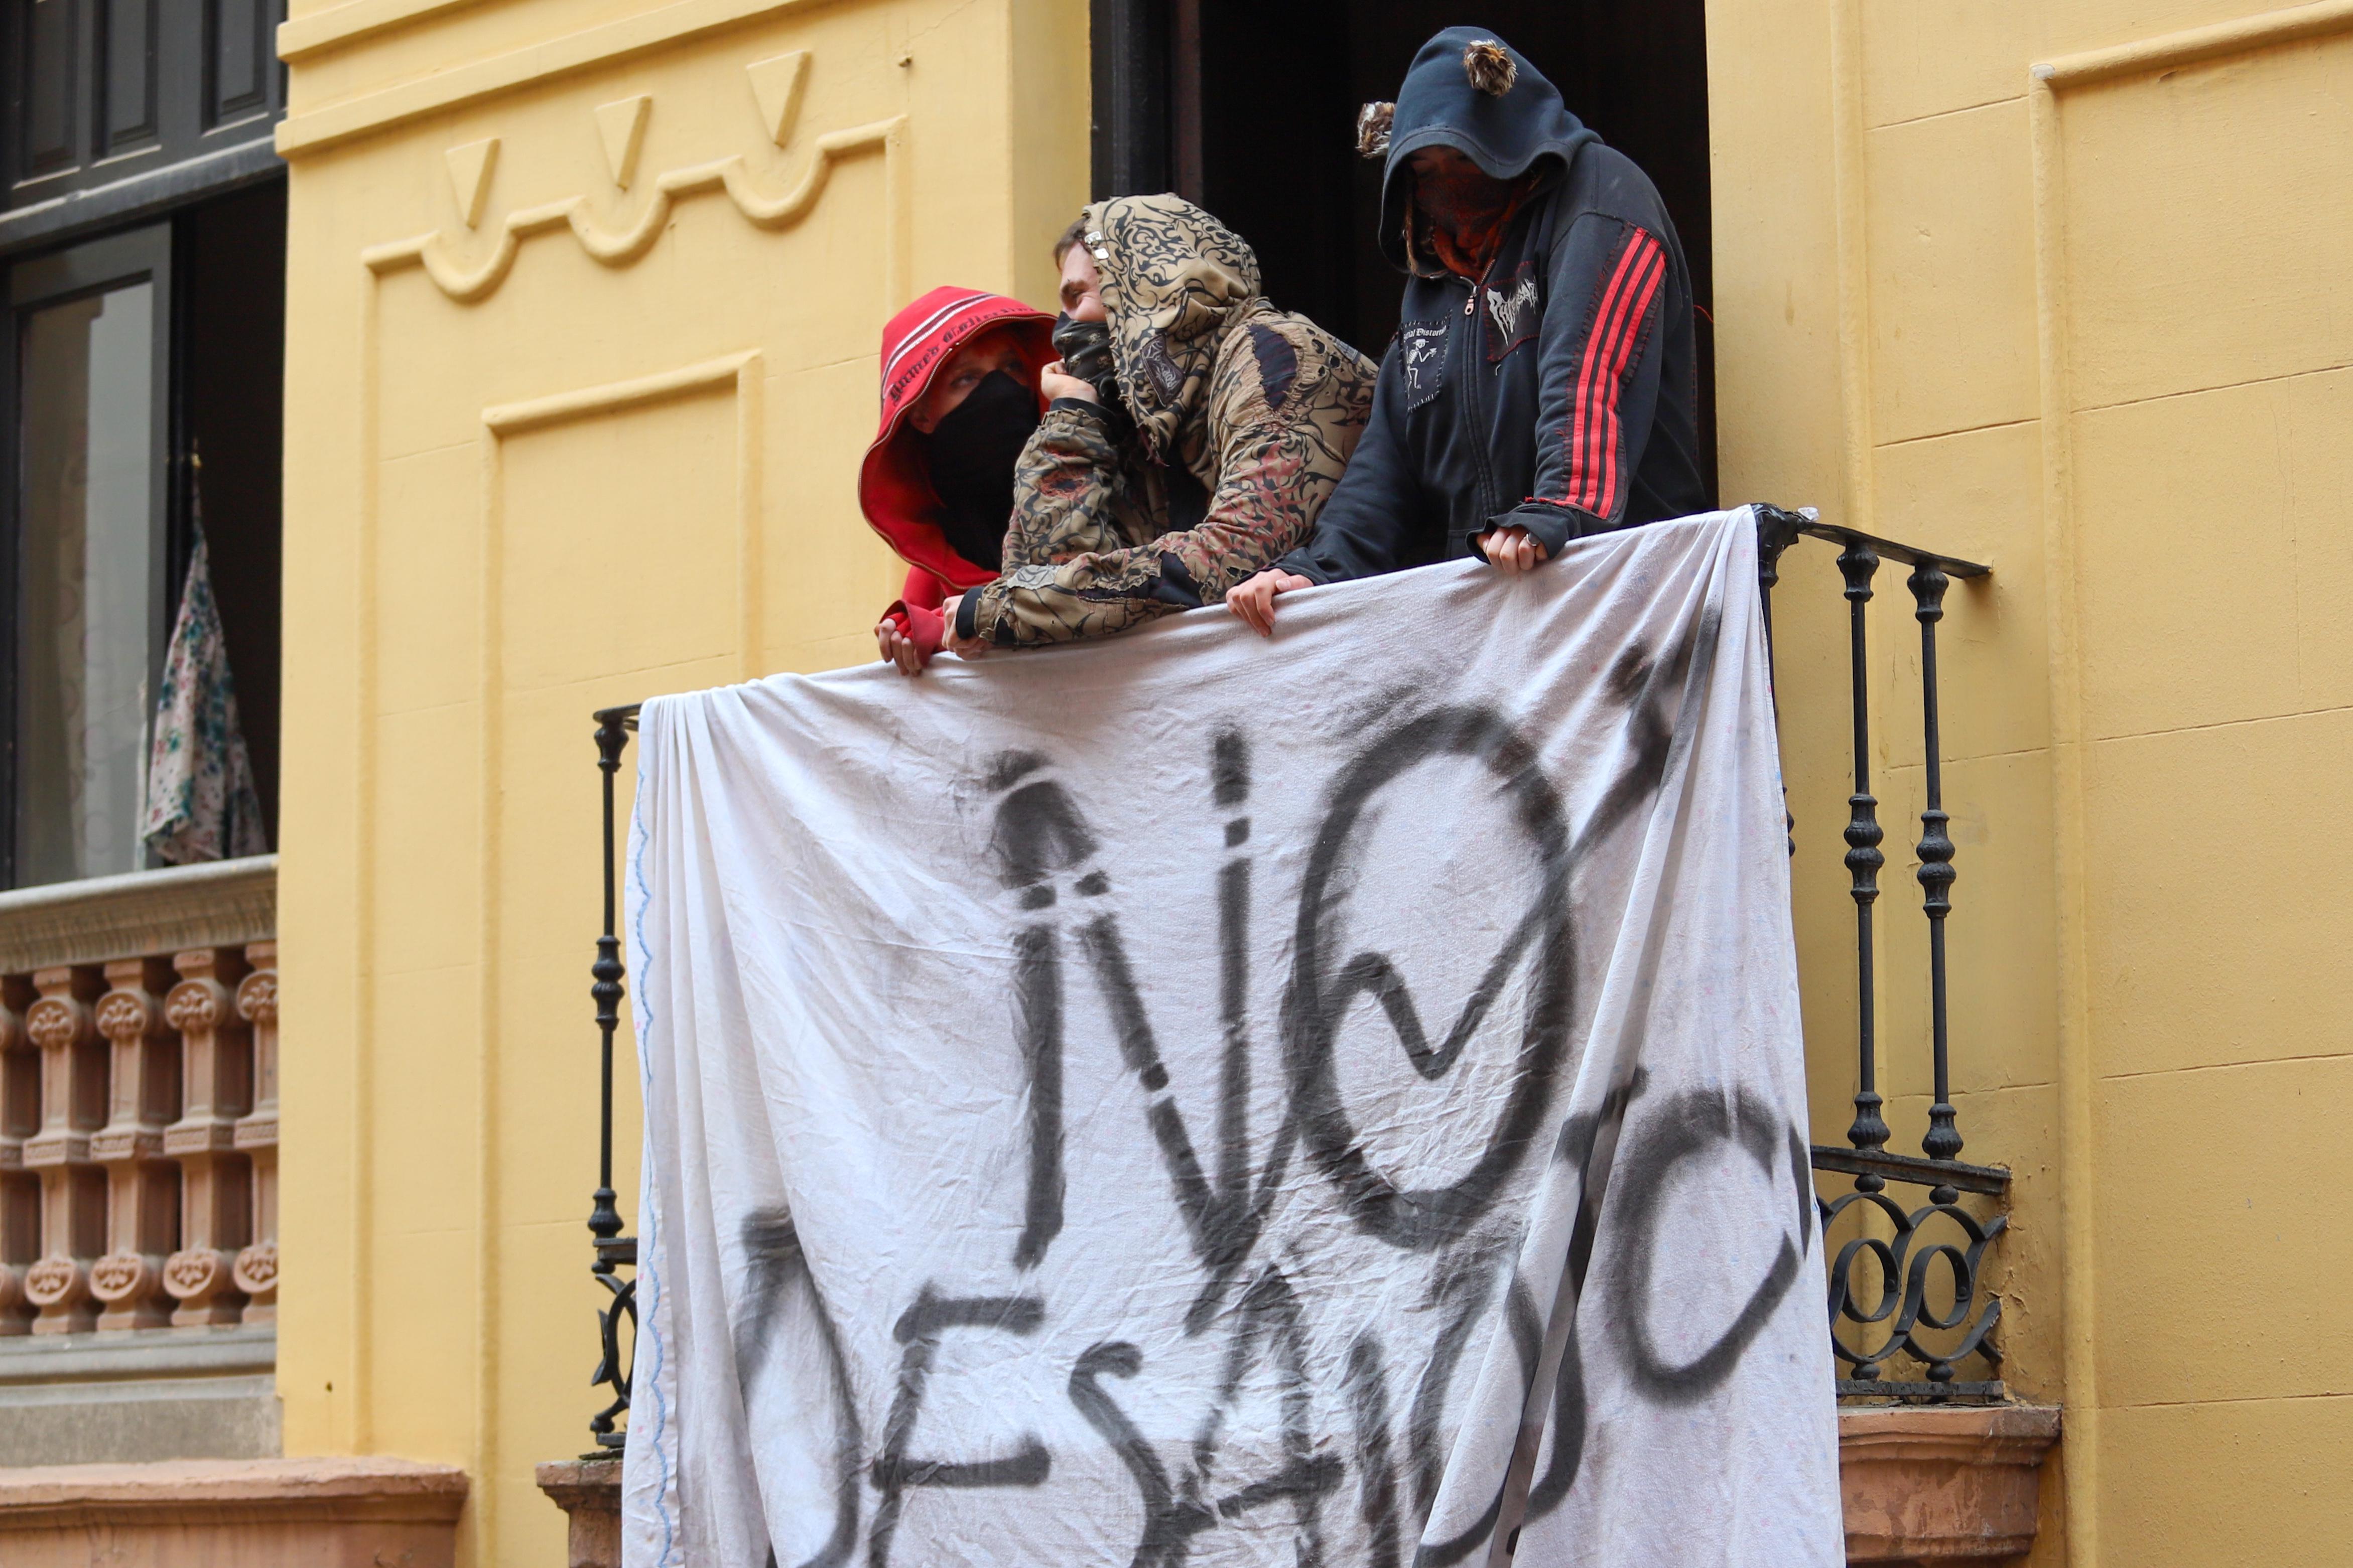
776, 84
470, 176
622, 124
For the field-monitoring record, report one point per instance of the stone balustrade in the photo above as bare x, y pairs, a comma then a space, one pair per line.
138, 1142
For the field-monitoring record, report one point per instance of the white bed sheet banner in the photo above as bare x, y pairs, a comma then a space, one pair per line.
1195, 1098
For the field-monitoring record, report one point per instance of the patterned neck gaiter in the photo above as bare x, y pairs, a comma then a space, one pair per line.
1459, 216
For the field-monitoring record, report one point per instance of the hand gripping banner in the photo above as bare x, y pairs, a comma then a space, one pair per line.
1200, 1099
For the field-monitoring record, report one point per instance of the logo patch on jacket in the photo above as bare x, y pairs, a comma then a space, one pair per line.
1422, 360
1160, 370
1514, 312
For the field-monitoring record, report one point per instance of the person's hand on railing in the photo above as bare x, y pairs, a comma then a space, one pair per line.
1253, 599
1511, 549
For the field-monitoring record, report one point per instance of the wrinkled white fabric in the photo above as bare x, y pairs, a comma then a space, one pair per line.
1198, 1099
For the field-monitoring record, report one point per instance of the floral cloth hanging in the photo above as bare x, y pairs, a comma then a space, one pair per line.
201, 804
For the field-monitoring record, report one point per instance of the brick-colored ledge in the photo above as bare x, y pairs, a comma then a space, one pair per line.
1949, 1485
257, 1513
1942, 1487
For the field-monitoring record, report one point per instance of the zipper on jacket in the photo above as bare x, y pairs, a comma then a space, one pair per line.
1478, 423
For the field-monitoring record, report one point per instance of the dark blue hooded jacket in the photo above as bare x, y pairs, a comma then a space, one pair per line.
1560, 394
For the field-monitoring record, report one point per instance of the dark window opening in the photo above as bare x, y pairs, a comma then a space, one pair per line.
101, 92
126, 357
1250, 108
231, 267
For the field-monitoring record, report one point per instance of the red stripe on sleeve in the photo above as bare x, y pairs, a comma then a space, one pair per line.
1603, 426
1638, 297
1574, 436
1599, 403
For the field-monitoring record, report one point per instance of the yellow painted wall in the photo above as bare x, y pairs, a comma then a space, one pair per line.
597, 443
2058, 285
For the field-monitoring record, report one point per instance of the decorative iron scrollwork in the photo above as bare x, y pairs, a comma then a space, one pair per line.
615, 1365
1881, 1301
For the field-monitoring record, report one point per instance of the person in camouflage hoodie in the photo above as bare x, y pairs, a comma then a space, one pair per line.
1239, 419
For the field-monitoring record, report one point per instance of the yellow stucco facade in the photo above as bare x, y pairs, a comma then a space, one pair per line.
2056, 287
583, 307
583, 302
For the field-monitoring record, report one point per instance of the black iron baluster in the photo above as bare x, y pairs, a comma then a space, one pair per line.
613, 1250
1857, 563
1889, 1257
1776, 531
1943, 1142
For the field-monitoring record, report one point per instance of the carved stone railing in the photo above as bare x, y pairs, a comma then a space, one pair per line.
139, 1105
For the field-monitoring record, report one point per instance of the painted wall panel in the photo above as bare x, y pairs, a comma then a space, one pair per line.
2210, 1483
566, 429
2174, 482
2203, 843
1952, 273
2247, 1335
2207, 226
1937, 57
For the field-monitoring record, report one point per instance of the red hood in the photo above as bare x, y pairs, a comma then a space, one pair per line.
894, 486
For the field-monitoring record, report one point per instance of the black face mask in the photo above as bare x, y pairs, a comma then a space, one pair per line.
972, 453
1085, 348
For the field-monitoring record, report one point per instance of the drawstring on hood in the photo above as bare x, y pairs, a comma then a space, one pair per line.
1173, 280
1470, 90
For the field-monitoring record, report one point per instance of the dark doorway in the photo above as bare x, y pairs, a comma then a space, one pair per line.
1250, 108
231, 267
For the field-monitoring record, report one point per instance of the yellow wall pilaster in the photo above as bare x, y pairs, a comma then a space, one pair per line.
2055, 286
583, 310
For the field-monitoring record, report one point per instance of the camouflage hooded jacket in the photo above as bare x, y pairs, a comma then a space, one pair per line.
1260, 406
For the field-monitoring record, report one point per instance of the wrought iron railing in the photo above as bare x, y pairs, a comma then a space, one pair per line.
1887, 1312
614, 1251
1884, 1305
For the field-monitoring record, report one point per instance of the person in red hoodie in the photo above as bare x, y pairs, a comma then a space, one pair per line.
960, 397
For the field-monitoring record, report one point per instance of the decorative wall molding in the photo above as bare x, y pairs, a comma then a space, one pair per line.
776, 84
471, 166
314, 130
2267, 29
744, 373
220, 903
619, 247
622, 127
303, 37
615, 397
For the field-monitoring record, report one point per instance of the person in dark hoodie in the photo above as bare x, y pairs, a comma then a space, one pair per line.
1233, 422
1543, 382
960, 398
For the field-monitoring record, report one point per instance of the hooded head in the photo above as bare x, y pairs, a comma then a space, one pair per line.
1173, 277
1470, 90
895, 482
